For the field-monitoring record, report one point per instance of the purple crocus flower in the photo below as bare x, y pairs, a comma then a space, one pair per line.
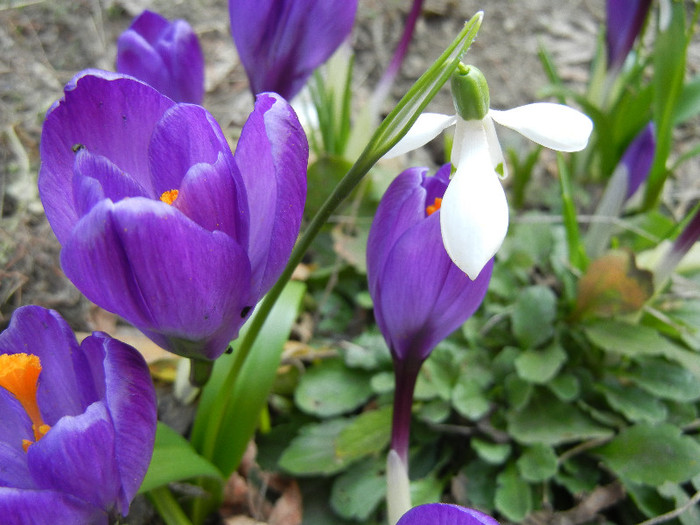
632, 170
420, 296
678, 249
625, 20
281, 42
165, 55
158, 221
444, 514
77, 422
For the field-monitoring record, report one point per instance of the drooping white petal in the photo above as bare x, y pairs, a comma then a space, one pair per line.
426, 128
554, 126
474, 212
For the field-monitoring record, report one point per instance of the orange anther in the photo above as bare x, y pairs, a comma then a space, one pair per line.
434, 207
168, 197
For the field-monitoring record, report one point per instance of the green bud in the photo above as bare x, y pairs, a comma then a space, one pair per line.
470, 93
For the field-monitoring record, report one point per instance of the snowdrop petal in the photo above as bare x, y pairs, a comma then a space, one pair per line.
427, 127
474, 212
554, 126
495, 150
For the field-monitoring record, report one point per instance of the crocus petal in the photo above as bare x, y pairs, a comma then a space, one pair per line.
184, 286
131, 403
46, 507
189, 152
554, 126
281, 42
426, 128
624, 22
474, 213
77, 457
402, 206
96, 177
272, 156
69, 387
112, 116
14, 471
164, 54
444, 514
424, 302
638, 158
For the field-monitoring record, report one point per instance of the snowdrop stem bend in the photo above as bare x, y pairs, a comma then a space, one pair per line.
389, 132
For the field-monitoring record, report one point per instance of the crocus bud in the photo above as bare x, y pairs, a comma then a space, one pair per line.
470, 93
680, 247
625, 20
165, 55
77, 422
281, 42
632, 170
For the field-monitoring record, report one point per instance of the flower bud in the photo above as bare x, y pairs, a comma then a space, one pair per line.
470, 93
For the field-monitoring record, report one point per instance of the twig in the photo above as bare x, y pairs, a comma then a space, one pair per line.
674, 513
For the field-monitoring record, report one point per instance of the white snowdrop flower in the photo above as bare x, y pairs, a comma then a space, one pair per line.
474, 211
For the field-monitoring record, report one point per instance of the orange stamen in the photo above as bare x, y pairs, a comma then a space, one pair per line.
19, 374
434, 207
168, 197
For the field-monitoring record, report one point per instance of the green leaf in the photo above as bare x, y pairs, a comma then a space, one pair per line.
565, 386
634, 403
652, 455
477, 478
513, 495
639, 341
533, 316
369, 433
688, 103
493, 453
358, 491
518, 391
665, 380
539, 366
674, 491
329, 388
227, 437
669, 71
537, 463
312, 452
426, 490
367, 351
469, 400
549, 421
163, 470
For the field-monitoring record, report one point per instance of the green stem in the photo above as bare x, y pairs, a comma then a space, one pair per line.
167, 506
577, 255
389, 132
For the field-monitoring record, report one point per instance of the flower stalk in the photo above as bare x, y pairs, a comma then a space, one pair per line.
390, 131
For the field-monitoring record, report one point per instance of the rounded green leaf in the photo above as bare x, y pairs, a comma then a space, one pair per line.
539, 366
537, 463
652, 455
533, 316
330, 389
